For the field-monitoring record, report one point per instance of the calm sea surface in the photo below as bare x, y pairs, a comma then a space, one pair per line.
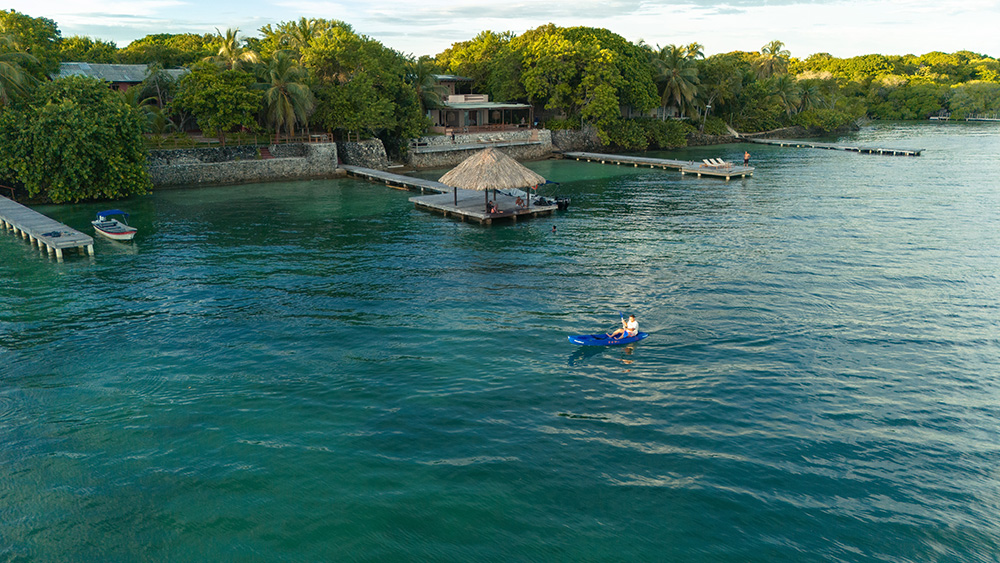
315, 371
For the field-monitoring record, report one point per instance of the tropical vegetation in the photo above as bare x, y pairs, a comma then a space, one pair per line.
74, 139
321, 75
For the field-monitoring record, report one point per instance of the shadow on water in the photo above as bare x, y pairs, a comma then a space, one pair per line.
584, 354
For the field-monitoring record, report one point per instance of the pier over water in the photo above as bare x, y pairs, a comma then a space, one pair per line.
725, 170
48, 234
835, 147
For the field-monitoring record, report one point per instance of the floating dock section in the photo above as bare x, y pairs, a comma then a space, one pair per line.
48, 234
727, 171
465, 205
835, 147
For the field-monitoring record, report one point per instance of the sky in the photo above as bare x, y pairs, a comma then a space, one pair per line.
843, 28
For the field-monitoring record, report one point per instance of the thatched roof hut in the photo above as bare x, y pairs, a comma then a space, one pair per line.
490, 169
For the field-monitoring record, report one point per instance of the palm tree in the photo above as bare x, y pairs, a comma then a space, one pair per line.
694, 51
420, 75
14, 81
288, 100
773, 59
786, 91
677, 77
301, 33
149, 107
809, 95
231, 52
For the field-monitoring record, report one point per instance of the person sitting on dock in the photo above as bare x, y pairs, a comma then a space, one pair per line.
492, 207
629, 328
519, 202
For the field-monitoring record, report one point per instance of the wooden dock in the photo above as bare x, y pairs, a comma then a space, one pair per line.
731, 170
396, 180
835, 147
471, 204
47, 234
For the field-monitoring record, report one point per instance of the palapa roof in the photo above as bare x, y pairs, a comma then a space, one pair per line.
490, 169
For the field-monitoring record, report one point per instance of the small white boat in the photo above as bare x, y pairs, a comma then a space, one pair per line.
114, 229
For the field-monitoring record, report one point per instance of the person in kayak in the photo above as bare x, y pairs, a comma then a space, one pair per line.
629, 328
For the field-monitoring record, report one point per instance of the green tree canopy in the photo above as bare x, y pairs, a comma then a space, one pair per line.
287, 100
293, 35
483, 60
169, 50
220, 100
420, 75
38, 37
87, 50
14, 80
773, 59
232, 53
973, 98
74, 140
677, 77
361, 86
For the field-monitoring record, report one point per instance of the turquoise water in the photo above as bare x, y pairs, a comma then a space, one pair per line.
315, 371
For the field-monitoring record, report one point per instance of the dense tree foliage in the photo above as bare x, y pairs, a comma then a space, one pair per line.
74, 139
87, 50
361, 86
677, 76
318, 73
221, 100
38, 37
14, 79
581, 74
169, 50
287, 99
232, 53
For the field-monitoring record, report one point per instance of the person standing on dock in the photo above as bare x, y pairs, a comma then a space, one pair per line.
746, 158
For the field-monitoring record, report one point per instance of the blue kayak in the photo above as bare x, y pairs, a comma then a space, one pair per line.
604, 340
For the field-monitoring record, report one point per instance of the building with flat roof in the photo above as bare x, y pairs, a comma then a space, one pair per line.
464, 112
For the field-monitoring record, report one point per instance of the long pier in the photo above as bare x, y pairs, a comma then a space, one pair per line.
48, 234
727, 171
396, 180
834, 146
466, 205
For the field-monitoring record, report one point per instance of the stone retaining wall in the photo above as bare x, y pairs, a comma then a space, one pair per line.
569, 140
701, 139
185, 167
369, 153
205, 155
467, 144
490, 137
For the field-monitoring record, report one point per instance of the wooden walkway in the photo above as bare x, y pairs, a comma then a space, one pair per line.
470, 206
396, 180
685, 166
835, 147
47, 234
